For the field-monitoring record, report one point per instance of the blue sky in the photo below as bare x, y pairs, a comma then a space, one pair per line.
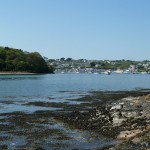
90, 29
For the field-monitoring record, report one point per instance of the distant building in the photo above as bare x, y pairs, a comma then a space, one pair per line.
132, 68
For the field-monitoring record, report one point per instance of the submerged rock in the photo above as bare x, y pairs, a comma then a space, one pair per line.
3, 147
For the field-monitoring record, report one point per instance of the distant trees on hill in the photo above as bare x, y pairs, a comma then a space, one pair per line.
17, 60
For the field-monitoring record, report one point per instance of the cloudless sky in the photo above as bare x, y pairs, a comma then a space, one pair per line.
90, 29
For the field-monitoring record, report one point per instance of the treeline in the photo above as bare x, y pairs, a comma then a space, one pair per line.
17, 60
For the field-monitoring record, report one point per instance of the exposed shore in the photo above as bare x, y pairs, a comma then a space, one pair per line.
16, 73
122, 115
124, 119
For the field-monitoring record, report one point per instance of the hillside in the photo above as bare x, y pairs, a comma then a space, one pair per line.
17, 60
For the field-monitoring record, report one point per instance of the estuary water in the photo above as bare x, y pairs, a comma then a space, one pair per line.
16, 91
50, 84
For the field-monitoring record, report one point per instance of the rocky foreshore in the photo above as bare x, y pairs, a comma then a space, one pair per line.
121, 116
126, 119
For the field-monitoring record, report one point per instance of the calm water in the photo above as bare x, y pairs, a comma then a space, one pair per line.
17, 90
47, 85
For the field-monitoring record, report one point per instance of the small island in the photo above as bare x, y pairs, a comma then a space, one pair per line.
17, 61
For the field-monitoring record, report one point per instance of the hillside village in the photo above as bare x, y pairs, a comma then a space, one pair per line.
70, 65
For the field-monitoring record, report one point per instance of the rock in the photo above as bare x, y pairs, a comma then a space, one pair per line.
148, 127
126, 135
128, 99
147, 97
117, 121
39, 148
3, 147
132, 114
136, 140
116, 107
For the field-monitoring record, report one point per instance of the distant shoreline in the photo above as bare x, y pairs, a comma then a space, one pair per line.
16, 73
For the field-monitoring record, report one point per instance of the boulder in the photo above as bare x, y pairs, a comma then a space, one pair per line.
126, 135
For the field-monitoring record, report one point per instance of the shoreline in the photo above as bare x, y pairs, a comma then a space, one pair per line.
16, 73
125, 119
123, 116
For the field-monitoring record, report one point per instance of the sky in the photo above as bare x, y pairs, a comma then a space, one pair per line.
89, 29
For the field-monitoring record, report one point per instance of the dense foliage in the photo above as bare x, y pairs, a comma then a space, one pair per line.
18, 60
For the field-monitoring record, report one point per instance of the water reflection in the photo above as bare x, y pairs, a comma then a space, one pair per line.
19, 77
8, 108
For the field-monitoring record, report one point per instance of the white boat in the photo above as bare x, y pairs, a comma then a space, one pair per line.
108, 72
143, 72
77, 72
126, 72
96, 73
118, 71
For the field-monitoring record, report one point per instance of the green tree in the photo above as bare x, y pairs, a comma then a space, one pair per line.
92, 64
17, 60
37, 63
